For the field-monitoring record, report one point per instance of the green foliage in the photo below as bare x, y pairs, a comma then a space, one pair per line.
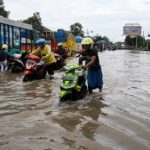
148, 45
98, 38
105, 38
138, 41
35, 21
3, 12
129, 41
76, 29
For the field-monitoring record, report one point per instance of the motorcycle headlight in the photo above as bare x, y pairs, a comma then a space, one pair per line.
69, 81
72, 85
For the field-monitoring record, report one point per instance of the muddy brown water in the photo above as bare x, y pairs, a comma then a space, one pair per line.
32, 118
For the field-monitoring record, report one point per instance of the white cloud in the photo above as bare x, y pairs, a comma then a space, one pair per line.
106, 17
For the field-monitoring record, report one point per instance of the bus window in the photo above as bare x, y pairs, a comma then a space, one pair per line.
2, 34
16, 35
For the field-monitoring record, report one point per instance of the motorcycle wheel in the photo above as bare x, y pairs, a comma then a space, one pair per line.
17, 69
41, 75
70, 97
58, 65
83, 92
27, 78
66, 98
44, 74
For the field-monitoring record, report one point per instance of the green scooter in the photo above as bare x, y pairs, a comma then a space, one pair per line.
73, 83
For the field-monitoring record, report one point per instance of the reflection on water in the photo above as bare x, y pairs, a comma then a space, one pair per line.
77, 114
31, 116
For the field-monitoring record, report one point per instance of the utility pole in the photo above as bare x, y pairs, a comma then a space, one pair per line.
136, 41
148, 41
143, 38
88, 32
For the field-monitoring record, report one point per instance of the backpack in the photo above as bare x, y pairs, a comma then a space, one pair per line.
2, 55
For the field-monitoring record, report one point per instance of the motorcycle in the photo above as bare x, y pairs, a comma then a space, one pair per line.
16, 64
73, 83
34, 69
59, 61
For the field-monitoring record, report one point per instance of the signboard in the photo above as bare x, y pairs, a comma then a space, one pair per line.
60, 36
132, 30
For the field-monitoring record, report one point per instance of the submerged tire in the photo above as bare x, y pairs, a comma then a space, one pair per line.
41, 76
17, 69
83, 92
27, 78
67, 97
70, 97
44, 74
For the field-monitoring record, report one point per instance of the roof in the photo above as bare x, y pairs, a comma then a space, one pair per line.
15, 23
45, 29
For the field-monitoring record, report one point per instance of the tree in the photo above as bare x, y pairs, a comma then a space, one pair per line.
98, 38
140, 41
147, 45
3, 12
129, 41
105, 38
135, 41
35, 21
76, 29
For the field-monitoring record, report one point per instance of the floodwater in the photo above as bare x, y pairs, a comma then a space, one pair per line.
32, 118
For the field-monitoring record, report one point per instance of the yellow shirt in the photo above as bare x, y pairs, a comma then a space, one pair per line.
46, 54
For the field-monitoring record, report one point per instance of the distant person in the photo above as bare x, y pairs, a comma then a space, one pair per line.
94, 73
15, 52
3, 58
15, 49
46, 55
61, 51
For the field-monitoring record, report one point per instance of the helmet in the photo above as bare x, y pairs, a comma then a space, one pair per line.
5, 46
59, 44
87, 41
16, 45
41, 41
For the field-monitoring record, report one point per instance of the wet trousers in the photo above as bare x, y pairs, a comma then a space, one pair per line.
3, 66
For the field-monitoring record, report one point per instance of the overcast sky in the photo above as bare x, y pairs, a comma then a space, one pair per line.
103, 17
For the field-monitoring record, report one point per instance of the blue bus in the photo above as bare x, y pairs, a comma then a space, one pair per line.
16, 32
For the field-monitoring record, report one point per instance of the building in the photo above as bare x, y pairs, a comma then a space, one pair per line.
47, 34
15, 31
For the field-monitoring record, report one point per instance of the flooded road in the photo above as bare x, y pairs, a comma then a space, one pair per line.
31, 117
